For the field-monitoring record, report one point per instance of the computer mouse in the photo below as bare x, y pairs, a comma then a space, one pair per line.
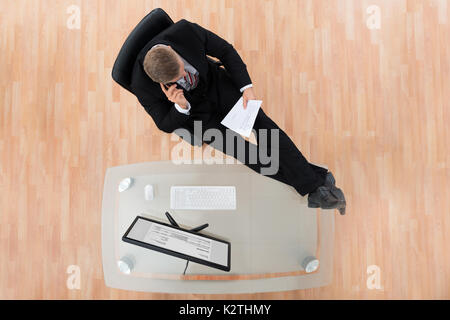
125, 184
148, 190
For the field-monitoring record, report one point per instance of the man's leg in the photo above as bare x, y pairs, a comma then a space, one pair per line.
239, 148
292, 168
305, 177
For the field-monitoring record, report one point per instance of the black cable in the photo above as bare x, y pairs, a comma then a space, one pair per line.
187, 262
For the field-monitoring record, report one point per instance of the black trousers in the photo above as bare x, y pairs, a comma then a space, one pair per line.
293, 168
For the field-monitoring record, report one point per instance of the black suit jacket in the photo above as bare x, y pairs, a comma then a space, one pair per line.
193, 43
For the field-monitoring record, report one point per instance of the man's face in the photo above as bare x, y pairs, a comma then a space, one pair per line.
182, 72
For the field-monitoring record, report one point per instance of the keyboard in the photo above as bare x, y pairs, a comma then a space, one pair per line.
203, 197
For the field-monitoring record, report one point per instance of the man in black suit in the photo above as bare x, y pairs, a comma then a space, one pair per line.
177, 85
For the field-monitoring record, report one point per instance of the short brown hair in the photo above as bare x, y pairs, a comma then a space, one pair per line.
161, 64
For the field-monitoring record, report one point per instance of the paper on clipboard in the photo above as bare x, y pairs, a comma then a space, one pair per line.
241, 120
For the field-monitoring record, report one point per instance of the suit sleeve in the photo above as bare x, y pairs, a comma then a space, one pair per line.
166, 117
217, 47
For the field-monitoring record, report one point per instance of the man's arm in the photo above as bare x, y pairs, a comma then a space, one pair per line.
246, 87
165, 115
183, 109
217, 47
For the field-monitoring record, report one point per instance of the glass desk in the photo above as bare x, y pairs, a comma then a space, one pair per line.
271, 232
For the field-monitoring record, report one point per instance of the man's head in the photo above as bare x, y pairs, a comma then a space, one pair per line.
162, 64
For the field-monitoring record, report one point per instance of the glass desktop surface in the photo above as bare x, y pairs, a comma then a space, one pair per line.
271, 231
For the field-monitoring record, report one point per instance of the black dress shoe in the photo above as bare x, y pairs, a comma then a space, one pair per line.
322, 198
329, 180
330, 183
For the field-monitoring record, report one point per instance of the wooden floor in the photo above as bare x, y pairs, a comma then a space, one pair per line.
371, 104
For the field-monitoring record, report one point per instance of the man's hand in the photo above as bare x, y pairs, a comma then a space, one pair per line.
248, 94
175, 95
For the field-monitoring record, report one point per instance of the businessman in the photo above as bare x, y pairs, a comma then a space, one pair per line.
177, 85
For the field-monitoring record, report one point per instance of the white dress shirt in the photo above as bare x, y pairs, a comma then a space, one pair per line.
184, 84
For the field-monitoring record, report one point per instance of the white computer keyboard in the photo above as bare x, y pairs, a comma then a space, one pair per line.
203, 197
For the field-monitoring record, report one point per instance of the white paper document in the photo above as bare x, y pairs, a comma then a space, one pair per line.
242, 120
179, 241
